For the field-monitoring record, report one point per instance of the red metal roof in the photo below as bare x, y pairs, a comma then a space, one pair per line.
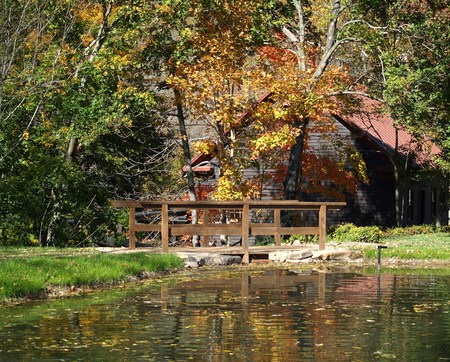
372, 123
200, 164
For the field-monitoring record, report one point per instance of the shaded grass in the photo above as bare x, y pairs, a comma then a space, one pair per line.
26, 277
415, 247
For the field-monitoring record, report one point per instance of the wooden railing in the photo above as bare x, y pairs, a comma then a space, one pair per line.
243, 227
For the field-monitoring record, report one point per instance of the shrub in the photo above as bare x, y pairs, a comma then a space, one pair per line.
362, 234
264, 240
414, 230
303, 239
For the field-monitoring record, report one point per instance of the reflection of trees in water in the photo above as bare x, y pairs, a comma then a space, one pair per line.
322, 316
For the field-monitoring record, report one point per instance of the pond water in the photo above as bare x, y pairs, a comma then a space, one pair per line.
241, 315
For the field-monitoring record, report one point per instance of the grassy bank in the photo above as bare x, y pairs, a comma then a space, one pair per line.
36, 274
434, 246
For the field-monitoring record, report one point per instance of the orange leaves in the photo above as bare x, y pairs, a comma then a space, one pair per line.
338, 180
275, 55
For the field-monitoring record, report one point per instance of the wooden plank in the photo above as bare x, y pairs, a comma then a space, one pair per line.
322, 226
206, 221
295, 205
137, 204
132, 227
270, 229
268, 204
245, 233
165, 228
147, 227
277, 223
202, 229
206, 204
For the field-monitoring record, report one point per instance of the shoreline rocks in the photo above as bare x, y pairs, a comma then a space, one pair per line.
195, 260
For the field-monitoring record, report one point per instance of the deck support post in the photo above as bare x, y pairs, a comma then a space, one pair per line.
245, 233
322, 226
131, 228
206, 221
165, 228
277, 224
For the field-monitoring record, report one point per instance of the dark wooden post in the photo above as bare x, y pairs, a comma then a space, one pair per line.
131, 228
165, 227
245, 232
322, 226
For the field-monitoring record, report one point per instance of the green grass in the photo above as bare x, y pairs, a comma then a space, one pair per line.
24, 277
23, 251
414, 247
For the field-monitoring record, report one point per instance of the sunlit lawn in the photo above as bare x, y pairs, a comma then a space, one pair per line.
22, 276
419, 247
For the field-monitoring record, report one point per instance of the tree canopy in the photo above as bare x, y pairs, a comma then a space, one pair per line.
88, 97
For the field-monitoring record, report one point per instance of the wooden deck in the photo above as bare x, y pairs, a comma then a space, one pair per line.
241, 227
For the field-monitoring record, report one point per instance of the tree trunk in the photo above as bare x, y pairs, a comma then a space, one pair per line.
294, 172
90, 53
401, 193
71, 149
187, 159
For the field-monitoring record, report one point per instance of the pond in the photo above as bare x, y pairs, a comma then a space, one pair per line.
243, 315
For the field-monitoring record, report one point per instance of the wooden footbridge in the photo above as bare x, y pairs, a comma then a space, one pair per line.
241, 223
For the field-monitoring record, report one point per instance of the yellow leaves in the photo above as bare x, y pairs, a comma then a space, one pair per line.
229, 188
91, 13
205, 147
358, 164
282, 138
163, 9
86, 39
320, 11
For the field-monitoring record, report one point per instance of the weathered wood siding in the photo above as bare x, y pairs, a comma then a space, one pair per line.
373, 203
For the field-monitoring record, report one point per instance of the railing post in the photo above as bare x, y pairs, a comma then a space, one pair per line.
206, 221
165, 228
322, 226
131, 228
277, 224
245, 232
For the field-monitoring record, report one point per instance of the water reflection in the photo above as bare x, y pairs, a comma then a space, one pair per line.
268, 315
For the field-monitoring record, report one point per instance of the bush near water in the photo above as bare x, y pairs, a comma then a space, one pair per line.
361, 234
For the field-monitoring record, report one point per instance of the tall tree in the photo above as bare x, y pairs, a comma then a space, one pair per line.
65, 83
408, 66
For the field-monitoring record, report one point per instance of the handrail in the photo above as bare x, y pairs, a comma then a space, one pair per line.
244, 228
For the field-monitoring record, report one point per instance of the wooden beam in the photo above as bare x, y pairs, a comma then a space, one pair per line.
322, 226
132, 228
270, 229
206, 221
202, 229
147, 227
245, 233
165, 228
277, 224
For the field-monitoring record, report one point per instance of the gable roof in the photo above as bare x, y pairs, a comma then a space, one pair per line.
201, 164
370, 123
380, 130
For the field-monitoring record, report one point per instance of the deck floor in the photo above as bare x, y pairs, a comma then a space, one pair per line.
224, 250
